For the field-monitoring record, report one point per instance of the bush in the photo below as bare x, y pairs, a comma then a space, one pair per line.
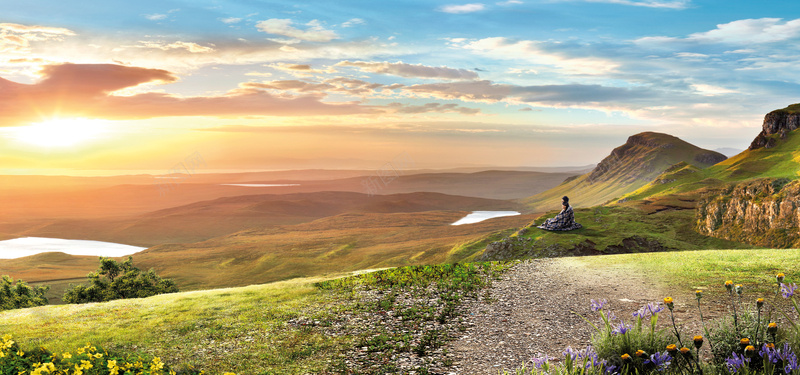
20, 295
118, 281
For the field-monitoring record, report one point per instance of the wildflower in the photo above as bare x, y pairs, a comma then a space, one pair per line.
621, 328
780, 277
66, 355
744, 342
598, 305
626, 358
686, 352
648, 310
729, 285
750, 350
789, 359
760, 303
672, 349
659, 361
569, 353
590, 358
788, 290
698, 341
698, 293
736, 362
641, 353
772, 328
611, 370
768, 351
538, 361
739, 289
668, 302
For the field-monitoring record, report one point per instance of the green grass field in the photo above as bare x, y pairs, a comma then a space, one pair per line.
245, 329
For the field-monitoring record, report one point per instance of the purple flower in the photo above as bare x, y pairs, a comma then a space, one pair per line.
648, 310
769, 353
659, 360
538, 361
611, 370
569, 353
788, 290
788, 357
598, 305
736, 362
621, 328
590, 357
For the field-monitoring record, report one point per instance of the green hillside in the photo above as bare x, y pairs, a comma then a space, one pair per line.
780, 161
629, 167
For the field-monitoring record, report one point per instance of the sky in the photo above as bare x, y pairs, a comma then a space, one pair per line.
267, 85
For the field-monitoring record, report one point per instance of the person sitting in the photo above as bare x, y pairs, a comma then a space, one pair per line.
565, 220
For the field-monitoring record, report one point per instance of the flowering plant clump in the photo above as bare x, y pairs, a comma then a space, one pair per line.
87, 360
748, 342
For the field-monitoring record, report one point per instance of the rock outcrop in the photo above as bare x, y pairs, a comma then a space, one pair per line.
764, 212
522, 247
779, 122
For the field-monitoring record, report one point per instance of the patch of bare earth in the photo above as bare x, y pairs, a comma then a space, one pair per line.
534, 310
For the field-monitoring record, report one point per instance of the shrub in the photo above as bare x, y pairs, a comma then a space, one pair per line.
117, 281
20, 295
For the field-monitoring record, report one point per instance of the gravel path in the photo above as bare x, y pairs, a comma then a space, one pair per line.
532, 313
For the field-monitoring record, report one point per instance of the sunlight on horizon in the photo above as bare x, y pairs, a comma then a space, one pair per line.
59, 133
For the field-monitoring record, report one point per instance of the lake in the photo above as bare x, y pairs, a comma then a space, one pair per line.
478, 216
27, 246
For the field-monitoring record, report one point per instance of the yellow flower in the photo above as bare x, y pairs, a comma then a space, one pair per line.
698, 341
772, 328
739, 289
67, 355
640, 353
780, 277
668, 302
750, 350
672, 348
729, 285
745, 341
20, 353
759, 302
229, 373
698, 293
112, 367
626, 357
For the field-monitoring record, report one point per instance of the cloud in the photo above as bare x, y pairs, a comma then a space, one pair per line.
342, 85
188, 46
460, 9
510, 2
155, 16
87, 90
17, 38
740, 32
432, 107
547, 95
314, 33
536, 52
410, 70
674, 4
353, 22
299, 70
710, 90
231, 20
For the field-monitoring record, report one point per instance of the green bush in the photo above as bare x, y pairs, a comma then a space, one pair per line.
20, 295
115, 280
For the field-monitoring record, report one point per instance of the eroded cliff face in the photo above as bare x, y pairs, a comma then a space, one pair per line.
763, 212
779, 122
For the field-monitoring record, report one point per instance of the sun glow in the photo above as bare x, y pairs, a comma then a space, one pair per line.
60, 132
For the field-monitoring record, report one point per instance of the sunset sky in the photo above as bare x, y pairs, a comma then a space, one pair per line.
264, 85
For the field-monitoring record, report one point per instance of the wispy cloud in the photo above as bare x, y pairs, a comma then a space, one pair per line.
314, 33
740, 32
188, 46
231, 20
667, 4
402, 69
17, 38
353, 22
465, 8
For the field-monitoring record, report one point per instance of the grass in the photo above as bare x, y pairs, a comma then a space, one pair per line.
686, 271
239, 329
662, 225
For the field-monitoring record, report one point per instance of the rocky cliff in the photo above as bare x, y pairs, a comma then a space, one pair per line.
764, 212
777, 124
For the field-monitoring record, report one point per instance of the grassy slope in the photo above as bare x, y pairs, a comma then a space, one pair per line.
340, 243
782, 161
671, 226
243, 329
635, 168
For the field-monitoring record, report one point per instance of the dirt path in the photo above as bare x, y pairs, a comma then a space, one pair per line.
534, 312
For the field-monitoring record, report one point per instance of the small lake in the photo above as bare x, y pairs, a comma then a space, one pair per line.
27, 246
478, 216
260, 185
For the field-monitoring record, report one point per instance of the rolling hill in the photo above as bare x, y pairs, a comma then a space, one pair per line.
629, 167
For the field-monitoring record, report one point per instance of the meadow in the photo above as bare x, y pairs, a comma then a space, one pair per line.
253, 330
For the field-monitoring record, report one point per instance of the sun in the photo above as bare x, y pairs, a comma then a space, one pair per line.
60, 133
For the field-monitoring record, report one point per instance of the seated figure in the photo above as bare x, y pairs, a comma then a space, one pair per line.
565, 220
